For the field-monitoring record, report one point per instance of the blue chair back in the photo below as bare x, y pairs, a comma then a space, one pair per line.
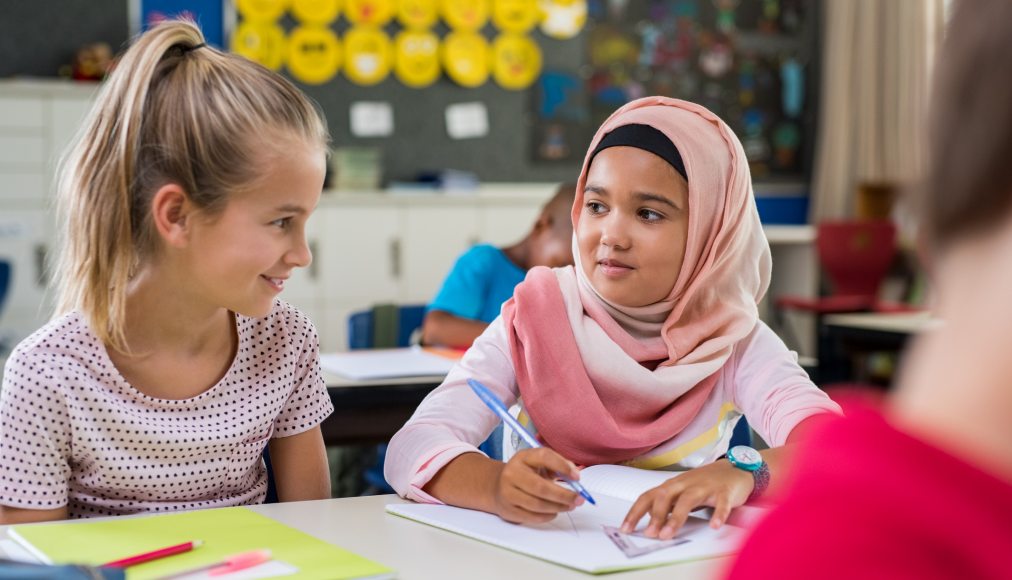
360, 326
361, 335
5, 281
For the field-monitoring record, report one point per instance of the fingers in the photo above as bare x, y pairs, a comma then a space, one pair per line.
721, 511
545, 458
687, 502
636, 512
527, 492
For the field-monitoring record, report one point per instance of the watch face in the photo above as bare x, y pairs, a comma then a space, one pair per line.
745, 456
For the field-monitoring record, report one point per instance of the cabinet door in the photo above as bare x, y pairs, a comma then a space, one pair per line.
505, 224
26, 305
67, 116
359, 254
434, 236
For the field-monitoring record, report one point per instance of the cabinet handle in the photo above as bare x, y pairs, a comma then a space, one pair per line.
314, 268
395, 258
40, 265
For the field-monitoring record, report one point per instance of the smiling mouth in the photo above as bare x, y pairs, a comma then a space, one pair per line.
277, 283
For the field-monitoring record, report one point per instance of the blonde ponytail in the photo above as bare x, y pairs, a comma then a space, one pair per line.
173, 111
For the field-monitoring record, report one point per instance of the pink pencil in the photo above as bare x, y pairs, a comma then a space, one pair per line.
155, 554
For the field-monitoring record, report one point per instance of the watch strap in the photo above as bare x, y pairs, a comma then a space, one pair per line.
761, 477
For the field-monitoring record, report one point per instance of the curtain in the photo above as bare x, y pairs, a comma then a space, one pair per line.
875, 83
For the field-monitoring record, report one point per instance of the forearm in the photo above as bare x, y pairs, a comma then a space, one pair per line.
300, 466
445, 329
12, 515
779, 459
467, 481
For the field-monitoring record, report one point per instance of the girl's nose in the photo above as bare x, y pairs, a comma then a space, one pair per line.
301, 255
614, 233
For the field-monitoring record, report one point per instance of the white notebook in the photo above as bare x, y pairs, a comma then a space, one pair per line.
387, 363
579, 540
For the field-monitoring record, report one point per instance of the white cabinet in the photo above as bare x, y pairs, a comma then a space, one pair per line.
37, 121
433, 239
24, 243
371, 248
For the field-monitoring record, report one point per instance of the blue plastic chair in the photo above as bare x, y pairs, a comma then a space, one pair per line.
361, 335
5, 281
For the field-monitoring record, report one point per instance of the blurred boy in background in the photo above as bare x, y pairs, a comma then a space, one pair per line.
484, 276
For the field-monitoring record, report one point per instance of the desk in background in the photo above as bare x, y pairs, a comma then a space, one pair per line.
851, 334
420, 552
371, 411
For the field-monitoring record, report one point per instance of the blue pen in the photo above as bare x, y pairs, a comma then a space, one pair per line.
496, 405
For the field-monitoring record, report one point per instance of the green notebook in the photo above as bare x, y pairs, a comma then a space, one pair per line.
225, 532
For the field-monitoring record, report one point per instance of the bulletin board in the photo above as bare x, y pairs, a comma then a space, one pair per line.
752, 62
538, 133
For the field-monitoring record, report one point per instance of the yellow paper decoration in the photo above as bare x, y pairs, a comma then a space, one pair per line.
563, 19
416, 58
417, 14
314, 54
465, 15
316, 11
515, 15
260, 42
465, 58
261, 10
369, 12
516, 61
368, 55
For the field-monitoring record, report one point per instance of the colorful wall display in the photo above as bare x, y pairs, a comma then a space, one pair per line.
369, 12
313, 53
416, 58
745, 60
466, 58
417, 14
262, 42
316, 11
516, 61
368, 55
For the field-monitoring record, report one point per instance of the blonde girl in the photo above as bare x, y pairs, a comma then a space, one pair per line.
646, 353
171, 363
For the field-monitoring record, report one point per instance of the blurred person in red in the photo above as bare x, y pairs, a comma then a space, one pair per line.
921, 486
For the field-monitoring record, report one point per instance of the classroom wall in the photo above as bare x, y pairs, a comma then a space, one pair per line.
37, 37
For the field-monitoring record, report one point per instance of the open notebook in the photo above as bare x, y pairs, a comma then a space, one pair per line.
581, 539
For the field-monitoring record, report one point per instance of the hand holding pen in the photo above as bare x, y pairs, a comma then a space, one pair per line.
525, 488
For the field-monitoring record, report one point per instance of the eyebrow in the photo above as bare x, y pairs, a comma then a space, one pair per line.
291, 208
639, 195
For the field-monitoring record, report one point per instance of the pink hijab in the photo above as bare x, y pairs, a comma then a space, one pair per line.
605, 383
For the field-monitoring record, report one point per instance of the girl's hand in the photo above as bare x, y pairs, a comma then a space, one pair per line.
719, 485
525, 490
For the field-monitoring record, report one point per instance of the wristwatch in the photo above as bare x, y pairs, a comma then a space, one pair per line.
744, 457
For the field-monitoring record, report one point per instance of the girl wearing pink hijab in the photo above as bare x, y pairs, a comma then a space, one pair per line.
646, 353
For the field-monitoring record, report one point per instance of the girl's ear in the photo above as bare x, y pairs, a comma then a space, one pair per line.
172, 214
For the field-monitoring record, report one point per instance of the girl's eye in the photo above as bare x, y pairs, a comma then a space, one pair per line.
650, 215
282, 223
595, 207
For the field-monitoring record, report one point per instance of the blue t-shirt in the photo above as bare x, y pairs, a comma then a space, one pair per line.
480, 281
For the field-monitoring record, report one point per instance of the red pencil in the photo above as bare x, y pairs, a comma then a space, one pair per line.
154, 554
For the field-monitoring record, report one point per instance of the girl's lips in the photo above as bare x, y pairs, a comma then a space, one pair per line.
614, 269
278, 284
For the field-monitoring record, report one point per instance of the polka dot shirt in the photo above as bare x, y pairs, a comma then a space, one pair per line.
73, 432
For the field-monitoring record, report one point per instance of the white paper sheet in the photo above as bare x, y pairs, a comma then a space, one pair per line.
386, 363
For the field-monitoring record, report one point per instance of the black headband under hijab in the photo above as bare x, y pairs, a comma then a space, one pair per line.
646, 138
